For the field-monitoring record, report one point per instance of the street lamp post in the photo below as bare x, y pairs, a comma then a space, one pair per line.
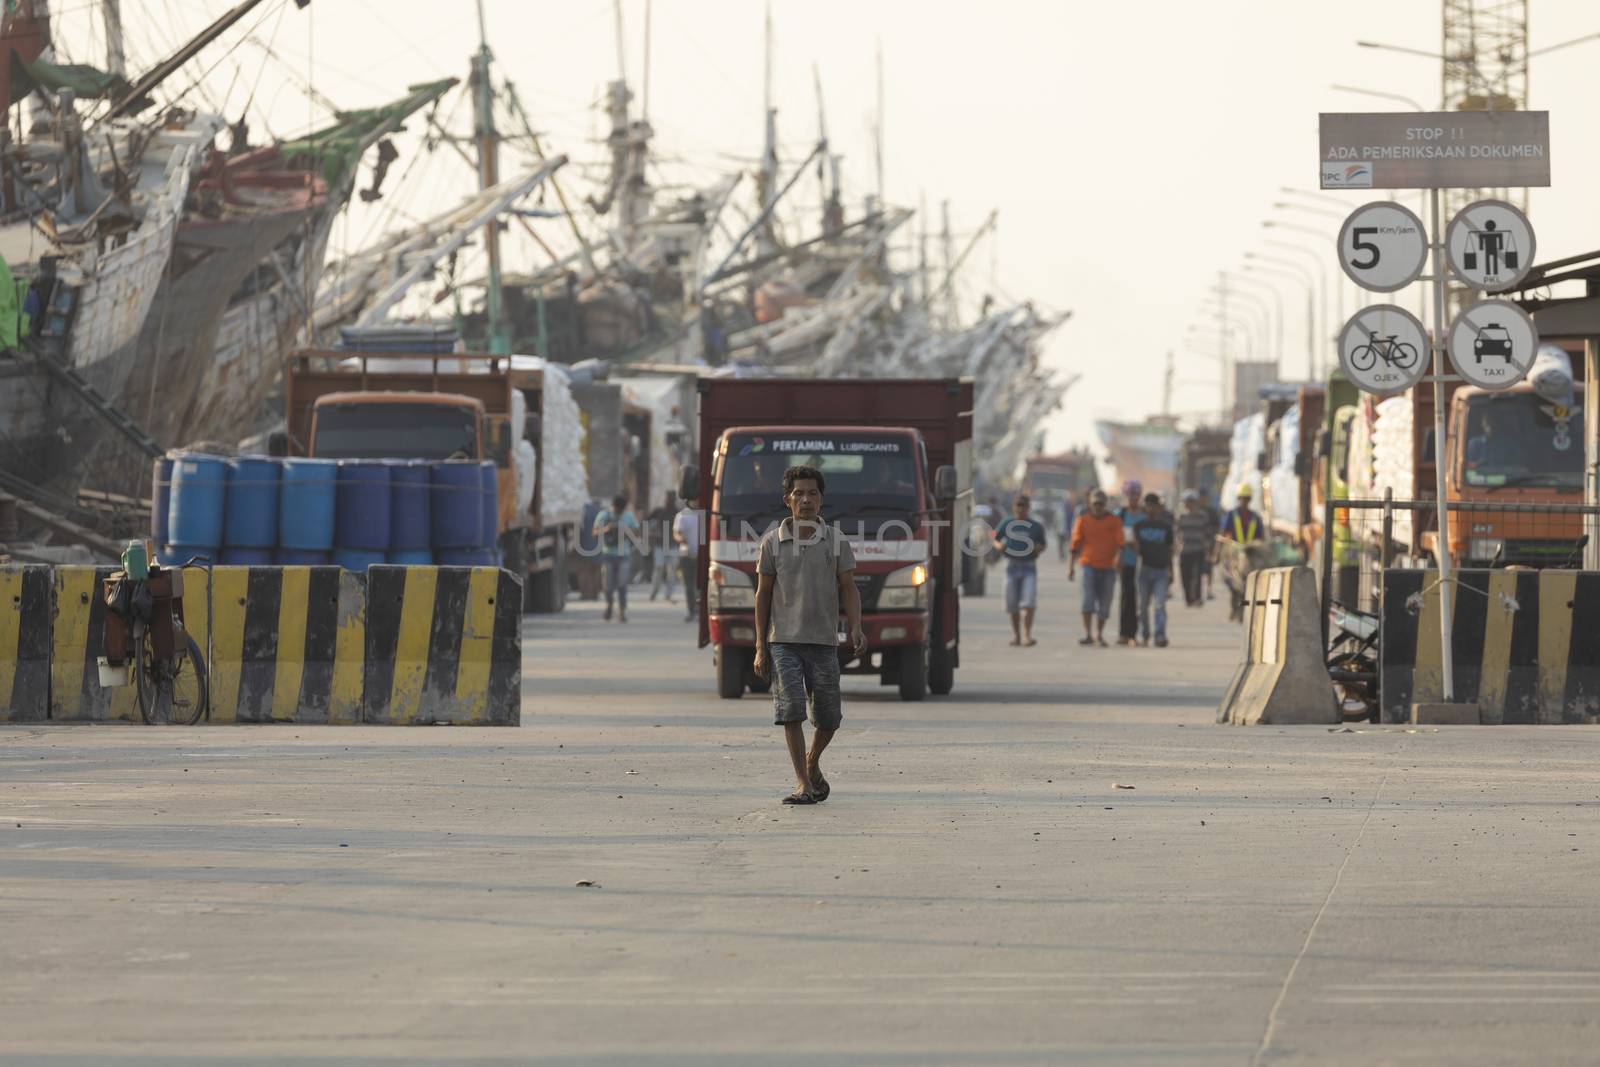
1304, 278
1322, 283
1295, 227
1277, 306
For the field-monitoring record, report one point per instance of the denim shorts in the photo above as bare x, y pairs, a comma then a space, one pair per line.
1099, 585
806, 675
1022, 588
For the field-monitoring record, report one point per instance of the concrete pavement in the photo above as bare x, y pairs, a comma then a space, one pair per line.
978, 890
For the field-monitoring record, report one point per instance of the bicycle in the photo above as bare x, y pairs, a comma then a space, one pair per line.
1398, 354
169, 673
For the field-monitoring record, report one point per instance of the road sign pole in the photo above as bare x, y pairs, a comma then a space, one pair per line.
1441, 455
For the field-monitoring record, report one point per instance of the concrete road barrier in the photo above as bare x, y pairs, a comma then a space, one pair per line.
24, 643
77, 616
1282, 678
288, 645
291, 644
443, 646
1525, 644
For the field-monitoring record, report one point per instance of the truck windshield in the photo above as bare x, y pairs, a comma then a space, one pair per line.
871, 478
395, 431
1523, 440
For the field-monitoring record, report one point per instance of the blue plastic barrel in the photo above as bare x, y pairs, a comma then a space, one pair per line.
408, 507
306, 504
361, 519
300, 557
467, 557
420, 557
456, 507
199, 487
358, 560
234, 556
491, 504
160, 500
252, 503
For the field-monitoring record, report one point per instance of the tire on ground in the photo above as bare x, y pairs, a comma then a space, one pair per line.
731, 666
913, 672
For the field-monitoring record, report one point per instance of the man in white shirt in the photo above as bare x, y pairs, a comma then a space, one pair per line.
686, 532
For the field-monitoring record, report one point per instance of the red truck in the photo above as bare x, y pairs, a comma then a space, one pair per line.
897, 457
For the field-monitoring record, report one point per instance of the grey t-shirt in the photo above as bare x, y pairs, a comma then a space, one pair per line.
805, 588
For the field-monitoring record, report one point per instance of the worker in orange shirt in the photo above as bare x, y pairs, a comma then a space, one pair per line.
1096, 542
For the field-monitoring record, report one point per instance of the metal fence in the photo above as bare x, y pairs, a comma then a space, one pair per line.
1363, 537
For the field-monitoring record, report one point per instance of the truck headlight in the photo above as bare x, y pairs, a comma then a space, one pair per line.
1485, 547
730, 589
905, 589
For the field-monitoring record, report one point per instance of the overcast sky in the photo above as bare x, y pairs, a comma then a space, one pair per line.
1132, 149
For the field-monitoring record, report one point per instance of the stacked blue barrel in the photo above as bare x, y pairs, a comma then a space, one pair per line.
257, 510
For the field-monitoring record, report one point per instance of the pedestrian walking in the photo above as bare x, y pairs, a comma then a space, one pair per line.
615, 527
1216, 524
1021, 540
1069, 515
1154, 535
805, 572
1132, 511
663, 554
686, 536
1096, 543
1242, 527
1196, 534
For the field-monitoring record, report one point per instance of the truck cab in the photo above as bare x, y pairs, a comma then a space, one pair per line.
893, 488
397, 426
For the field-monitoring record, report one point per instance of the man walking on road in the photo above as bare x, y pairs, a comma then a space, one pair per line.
1128, 563
686, 537
1154, 536
1242, 527
614, 526
663, 554
1096, 541
805, 572
1196, 532
1021, 539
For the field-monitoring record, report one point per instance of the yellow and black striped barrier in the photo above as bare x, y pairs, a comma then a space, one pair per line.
290, 644
1525, 644
24, 643
443, 646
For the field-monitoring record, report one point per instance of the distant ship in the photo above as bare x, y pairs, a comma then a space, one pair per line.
1146, 452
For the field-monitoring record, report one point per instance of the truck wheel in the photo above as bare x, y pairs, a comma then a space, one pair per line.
941, 669
552, 584
913, 672
731, 666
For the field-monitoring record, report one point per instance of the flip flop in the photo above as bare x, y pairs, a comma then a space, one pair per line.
820, 789
1087, 641
1014, 642
1029, 643
799, 798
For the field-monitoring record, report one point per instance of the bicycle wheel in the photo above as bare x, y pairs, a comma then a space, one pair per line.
172, 692
1363, 358
1403, 355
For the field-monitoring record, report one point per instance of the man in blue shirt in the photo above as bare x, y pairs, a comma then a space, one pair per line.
616, 527
1021, 539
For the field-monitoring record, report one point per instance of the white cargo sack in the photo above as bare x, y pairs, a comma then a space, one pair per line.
1551, 375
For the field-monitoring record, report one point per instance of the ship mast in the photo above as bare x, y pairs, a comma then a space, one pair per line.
488, 142
116, 55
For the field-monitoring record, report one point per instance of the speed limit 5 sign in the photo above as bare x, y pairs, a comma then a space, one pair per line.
1382, 246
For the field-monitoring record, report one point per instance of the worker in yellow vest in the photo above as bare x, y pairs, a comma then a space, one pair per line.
1243, 527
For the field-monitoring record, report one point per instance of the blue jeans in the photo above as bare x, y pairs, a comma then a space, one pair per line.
1098, 585
617, 573
1153, 583
1022, 586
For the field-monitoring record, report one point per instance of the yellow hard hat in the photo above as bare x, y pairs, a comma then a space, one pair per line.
1245, 490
